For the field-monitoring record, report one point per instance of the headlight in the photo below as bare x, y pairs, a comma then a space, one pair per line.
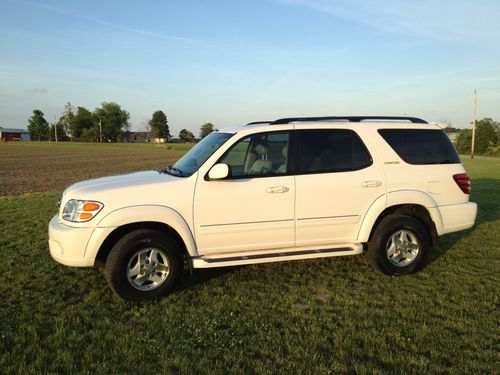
80, 211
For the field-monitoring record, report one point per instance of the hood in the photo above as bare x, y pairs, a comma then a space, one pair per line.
89, 188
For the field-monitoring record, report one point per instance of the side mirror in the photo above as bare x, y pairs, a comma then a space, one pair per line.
218, 172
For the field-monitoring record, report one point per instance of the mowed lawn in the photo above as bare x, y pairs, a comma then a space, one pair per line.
317, 316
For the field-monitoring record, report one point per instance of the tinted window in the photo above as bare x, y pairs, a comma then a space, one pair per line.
262, 154
421, 146
335, 150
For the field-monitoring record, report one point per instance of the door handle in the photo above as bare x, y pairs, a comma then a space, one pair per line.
369, 184
277, 189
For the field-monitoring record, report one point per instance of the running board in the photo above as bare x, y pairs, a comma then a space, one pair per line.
225, 261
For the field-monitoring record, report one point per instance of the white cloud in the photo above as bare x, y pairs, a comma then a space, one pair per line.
142, 32
104, 23
39, 90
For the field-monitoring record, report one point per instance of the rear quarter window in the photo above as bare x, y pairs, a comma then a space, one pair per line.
421, 146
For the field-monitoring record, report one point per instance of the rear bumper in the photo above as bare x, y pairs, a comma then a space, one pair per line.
457, 217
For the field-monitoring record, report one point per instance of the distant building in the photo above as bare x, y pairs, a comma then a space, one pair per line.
9, 134
136, 137
142, 137
452, 133
453, 136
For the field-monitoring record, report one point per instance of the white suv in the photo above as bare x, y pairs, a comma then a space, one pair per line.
295, 188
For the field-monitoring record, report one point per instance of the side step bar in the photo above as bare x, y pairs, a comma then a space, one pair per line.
228, 260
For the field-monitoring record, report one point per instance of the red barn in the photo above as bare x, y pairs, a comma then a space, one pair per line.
13, 135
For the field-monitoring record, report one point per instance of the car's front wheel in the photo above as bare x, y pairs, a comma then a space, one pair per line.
398, 245
144, 264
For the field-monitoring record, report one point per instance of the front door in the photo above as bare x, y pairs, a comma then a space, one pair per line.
254, 208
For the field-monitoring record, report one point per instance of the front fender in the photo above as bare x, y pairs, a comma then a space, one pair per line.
153, 213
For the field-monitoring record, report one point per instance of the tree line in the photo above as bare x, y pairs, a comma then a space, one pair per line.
187, 136
487, 138
107, 123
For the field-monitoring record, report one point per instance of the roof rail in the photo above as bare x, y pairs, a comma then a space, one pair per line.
414, 120
259, 122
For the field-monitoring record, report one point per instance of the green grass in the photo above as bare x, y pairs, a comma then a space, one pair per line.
316, 316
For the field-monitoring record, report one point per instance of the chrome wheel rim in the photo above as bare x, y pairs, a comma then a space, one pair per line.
402, 247
148, 268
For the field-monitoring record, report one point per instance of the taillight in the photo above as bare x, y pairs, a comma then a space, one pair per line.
463, 182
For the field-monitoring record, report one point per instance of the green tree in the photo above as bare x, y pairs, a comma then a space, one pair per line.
486, 137
486, 134
90, 134
61, 133
113, 119
159, 125
38, 127
463, 141
206, 129
186, 136
67, 120
82, 121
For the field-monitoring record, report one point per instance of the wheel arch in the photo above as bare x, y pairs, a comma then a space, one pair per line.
125, 220
414, 210
119, 232
405, 202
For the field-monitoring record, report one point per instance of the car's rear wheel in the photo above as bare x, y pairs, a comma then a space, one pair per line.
399, 245
144, 264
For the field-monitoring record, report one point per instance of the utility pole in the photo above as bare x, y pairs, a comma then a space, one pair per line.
55, 127
472, 147
100, 129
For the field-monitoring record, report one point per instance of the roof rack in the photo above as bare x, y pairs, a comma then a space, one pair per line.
259, 122
414, 120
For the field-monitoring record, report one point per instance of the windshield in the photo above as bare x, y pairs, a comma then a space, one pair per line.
198, 155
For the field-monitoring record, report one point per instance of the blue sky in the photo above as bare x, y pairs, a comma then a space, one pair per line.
231, 62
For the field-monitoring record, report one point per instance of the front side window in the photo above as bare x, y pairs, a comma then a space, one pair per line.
331, 150
199, 154
262, 154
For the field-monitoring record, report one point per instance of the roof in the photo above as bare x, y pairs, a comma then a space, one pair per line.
331, 122
11, 130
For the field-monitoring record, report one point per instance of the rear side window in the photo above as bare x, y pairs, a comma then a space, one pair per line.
421, 146
331, 150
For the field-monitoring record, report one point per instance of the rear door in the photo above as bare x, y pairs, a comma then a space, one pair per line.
336, 183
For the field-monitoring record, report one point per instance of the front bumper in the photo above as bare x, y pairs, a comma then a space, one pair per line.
67, 244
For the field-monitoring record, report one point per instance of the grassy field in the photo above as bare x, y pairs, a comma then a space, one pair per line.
43, 166
318, 316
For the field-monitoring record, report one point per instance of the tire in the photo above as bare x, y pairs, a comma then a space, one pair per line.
144, 264
399, 245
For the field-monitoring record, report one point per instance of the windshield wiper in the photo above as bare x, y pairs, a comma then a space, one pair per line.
179, 172
170, 169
